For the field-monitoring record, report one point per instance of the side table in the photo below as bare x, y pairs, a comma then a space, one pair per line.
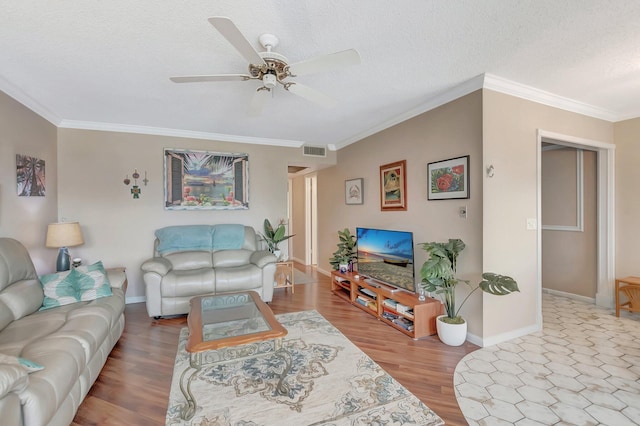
630, 286
284, 276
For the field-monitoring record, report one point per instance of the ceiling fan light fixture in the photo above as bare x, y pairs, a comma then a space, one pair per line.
269, 80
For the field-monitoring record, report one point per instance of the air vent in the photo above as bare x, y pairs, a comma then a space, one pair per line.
314, 151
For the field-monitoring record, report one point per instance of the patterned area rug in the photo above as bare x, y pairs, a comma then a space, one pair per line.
331, 382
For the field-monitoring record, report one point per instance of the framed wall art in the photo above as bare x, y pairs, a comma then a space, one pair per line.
30, 176
353, 191
203, 180
393, 186
448, 179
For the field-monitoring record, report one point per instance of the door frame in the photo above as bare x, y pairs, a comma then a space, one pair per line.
605, 210
311, 218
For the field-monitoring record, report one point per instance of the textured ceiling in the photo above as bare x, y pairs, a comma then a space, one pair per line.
106, 64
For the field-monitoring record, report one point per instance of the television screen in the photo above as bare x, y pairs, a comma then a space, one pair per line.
386, 256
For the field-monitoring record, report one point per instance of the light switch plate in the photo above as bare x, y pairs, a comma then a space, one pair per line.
462, 212
532, 224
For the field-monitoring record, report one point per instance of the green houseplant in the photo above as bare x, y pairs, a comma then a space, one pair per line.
346, 252
438, 275
273, 237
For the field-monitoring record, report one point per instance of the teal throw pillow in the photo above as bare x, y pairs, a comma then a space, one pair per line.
83, 283
93, 282
59, 289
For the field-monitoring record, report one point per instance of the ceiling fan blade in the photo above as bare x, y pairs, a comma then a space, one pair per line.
324, 63
201, 78
311, 94
259, 100
228, 29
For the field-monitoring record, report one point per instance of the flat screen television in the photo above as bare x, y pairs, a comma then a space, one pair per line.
386, 256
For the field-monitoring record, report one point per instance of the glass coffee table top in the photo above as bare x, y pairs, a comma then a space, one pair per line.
218, 321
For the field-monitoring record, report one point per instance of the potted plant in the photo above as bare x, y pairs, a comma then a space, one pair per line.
273, 237
345, 255
438, 275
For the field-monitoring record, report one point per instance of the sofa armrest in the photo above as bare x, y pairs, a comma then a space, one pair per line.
262, 258
117, 278
13, 378
159, 265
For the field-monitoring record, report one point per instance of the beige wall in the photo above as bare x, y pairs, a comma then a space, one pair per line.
26, 218
510, 127
569, 258
627, 138
451, 130
118, 229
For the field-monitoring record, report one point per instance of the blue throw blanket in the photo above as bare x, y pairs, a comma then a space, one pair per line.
199, 237
227, 237
184, 238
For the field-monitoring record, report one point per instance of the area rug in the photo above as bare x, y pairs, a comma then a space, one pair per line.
302, 278
332, 382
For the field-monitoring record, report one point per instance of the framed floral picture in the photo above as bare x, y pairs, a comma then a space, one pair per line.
448, 179
353, 191
393, 186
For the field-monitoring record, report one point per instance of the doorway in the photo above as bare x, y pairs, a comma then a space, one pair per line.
605, 165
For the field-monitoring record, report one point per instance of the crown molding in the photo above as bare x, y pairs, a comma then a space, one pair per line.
28, 101
502, 85
449, 95
161, 131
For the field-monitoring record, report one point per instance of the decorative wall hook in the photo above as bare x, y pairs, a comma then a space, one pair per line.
490, 171
135, 189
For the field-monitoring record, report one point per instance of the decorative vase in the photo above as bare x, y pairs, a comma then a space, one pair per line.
451, 334
277, 253
343, 267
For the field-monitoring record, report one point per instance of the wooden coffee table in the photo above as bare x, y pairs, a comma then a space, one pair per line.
226, 328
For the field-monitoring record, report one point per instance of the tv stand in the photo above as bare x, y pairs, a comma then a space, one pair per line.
397, 308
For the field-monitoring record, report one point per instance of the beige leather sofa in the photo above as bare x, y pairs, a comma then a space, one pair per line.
194, 260
72, 342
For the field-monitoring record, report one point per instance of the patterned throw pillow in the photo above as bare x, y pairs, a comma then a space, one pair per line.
59, 289
83, 283
93, 283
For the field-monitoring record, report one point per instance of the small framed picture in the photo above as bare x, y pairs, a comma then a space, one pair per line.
393, 186
448, 179
353, 191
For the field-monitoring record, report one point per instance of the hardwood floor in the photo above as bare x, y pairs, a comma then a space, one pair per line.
133, 387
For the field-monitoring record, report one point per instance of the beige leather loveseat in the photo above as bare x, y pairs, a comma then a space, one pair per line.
193, 260
72, 342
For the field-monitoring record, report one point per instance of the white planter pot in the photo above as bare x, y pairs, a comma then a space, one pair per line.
451, 334
277, 253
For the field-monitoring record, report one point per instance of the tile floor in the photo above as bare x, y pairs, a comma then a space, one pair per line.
583, 368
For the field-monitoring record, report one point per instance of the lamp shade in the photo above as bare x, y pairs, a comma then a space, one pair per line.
65, 234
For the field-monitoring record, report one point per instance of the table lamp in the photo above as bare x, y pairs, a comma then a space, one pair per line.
63, 235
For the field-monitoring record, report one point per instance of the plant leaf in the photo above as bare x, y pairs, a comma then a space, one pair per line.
498, 285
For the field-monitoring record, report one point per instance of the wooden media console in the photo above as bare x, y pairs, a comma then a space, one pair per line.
399, 309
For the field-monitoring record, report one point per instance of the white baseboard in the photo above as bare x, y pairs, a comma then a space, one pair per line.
585, 299
323, 272
494, 340
135, 299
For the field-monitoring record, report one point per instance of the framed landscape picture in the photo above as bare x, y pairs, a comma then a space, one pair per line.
448, 179
393, 186
203, 180
353, 191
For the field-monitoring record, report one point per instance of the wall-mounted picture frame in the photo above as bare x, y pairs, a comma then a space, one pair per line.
203, 180
30, 176
448, 179
393, 186
353, 191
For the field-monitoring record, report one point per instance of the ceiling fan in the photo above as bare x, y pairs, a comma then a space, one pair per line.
272, 68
